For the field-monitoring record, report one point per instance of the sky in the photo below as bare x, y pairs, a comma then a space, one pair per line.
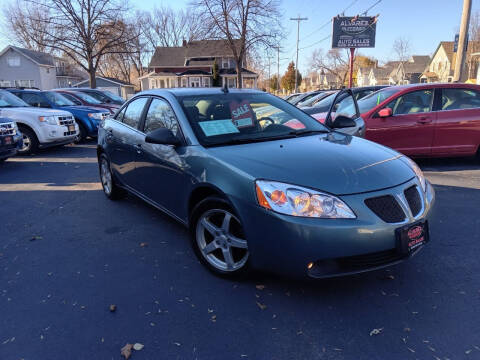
423, 22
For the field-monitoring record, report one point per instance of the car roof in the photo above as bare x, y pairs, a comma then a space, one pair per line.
436, 85
197, 91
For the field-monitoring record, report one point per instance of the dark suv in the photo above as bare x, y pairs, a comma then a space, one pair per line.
10, 139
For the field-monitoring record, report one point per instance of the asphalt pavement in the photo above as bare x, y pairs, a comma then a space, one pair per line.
67, 254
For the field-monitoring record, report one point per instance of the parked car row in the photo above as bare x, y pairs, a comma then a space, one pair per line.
32, 119
419, 120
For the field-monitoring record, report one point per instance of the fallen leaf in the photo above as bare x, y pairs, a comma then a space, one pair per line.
406, 329
376, 331
214, 318
143, 244
113, 308
261, 306
468, 351
178, 344
138, 346
210, 310
126, 351
411, 350
260, 287
36, 238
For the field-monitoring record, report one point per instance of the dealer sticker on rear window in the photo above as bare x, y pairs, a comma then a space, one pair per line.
218, 127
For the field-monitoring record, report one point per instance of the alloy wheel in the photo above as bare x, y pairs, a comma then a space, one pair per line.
106, 176
27, 143
221, 241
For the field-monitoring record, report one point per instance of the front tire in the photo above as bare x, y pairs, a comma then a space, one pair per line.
218, 238
110, 188
30, 142
82, 133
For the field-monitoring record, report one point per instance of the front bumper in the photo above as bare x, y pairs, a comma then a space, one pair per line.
11, 150
53, 135
286, 244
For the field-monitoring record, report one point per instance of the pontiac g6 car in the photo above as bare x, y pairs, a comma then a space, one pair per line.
256, 194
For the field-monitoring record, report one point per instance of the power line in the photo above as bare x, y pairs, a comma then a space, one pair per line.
329, 21
326, 37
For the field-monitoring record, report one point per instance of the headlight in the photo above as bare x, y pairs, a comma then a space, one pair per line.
96, 116
298, 201
418, 173
48, 119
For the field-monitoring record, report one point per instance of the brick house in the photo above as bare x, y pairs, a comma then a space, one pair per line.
191, 65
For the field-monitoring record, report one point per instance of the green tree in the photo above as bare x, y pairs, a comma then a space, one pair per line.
273, 83
288, 80
215, 77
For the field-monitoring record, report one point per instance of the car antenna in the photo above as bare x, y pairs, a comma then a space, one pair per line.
225, 88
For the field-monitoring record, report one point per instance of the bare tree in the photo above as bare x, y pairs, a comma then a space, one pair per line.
167, 27
84, 30
335, 62
243, 24
23, 25
402, 49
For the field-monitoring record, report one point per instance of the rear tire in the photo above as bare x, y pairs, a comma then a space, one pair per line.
218, 238
30, 141
110, 188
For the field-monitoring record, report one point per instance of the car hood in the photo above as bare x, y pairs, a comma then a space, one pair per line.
31, 111
84, 108
334, 163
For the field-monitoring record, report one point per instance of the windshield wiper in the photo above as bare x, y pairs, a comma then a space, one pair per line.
308, 132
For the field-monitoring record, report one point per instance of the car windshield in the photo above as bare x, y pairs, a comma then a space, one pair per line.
292, 98
113, 96
87, 98
314, 100
9, 100
236, 118
58, 99
370, 101
324, 104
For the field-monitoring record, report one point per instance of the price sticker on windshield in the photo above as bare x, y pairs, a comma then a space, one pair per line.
242, 114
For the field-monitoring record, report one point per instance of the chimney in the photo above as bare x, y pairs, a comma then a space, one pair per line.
184, 42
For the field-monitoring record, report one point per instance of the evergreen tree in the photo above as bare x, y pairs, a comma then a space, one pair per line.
288, 80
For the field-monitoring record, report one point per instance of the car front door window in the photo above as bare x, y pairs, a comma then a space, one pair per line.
133, 113
412, 103
160, 115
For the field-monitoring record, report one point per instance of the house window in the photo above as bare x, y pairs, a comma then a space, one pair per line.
24, 83
206, 82
184, 81
225, 63
5, 83
13, 61
195, 82
232, 82
162, 84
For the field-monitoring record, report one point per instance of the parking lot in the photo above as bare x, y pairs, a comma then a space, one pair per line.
67, 254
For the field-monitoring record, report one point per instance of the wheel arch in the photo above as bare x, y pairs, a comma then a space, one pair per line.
200, 193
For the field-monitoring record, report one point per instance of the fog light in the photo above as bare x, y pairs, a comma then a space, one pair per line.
310, 265
53, 133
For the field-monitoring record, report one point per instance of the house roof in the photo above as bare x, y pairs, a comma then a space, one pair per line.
37, 57
416, 64
381, 72
112, 80
177, 55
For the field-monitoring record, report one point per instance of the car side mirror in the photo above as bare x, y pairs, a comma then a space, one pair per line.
342, 122
385, 112
162, 136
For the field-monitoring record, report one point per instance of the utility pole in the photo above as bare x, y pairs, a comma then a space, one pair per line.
269, 77
297, 19
462, 41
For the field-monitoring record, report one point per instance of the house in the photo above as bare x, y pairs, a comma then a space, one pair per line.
27, 68
409, 72
192, 65
116, 86
441, 67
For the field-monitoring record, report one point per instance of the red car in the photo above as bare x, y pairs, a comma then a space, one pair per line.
424, 120
80, 98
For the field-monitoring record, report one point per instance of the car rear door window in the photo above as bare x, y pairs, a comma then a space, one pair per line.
414, 102
34, 99
457, 99
160, 115
133, 113
72, 99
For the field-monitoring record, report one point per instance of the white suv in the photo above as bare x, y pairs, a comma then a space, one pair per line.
40, 127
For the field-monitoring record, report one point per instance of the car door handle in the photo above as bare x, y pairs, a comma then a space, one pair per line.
424, 120
138, 148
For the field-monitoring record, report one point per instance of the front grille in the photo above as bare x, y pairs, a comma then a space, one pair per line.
386, 208
7, 129
414, 201
65, 120
370, 260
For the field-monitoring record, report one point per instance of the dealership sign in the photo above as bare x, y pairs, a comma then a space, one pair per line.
354, 31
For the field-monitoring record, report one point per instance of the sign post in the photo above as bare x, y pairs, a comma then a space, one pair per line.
351, 32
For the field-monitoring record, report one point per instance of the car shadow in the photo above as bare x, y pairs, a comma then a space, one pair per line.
449, 164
